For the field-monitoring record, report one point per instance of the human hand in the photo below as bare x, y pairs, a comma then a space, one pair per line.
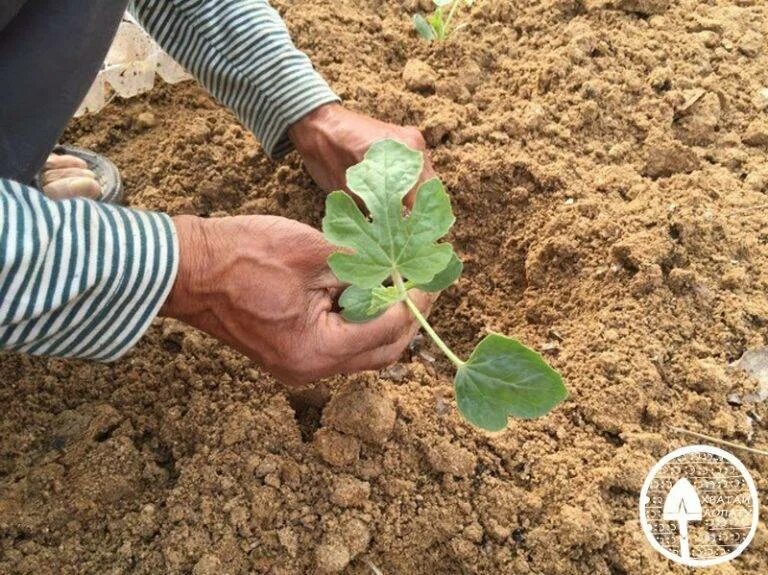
332, 138
262, 285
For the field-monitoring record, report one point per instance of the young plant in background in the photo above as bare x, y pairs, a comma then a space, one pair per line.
437, 26
389, 253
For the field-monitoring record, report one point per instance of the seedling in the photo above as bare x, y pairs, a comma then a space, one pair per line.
437, 26
389, 253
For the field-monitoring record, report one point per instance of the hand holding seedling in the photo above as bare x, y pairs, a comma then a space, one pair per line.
502, 377
333, 138
262, 285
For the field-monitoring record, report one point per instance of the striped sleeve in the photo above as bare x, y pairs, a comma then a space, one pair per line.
79, 278
240, 50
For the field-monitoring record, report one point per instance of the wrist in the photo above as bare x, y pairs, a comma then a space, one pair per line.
310, 133
184, 299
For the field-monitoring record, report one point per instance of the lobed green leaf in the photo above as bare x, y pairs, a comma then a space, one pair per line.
388, 242
445, 278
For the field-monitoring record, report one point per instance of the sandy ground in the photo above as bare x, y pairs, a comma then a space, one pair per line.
607, 163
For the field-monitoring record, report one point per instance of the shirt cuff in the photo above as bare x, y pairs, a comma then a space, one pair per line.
309, 94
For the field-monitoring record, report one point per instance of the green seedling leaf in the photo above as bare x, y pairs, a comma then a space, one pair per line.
356, 304
423, 28
437, 26
445, 278
360, 304
437, 23
389, 241
503, 378
363, 304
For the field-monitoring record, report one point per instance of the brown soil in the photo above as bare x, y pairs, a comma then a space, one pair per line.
607, 162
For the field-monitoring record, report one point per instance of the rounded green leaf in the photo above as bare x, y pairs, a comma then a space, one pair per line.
503, 377
356, 304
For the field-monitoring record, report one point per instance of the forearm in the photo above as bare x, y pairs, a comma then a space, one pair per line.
79, 278
242, 53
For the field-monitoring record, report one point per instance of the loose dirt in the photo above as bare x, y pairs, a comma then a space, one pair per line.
607, 163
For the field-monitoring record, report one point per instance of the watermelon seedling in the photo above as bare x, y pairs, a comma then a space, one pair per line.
437, 26
389, 253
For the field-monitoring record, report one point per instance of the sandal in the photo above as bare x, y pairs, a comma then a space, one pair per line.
106, 172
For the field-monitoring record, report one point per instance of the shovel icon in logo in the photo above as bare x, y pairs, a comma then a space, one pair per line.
682, 505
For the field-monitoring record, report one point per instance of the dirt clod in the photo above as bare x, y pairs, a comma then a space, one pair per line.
361, 412
419, 76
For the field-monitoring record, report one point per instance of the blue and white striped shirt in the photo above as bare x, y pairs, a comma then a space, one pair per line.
84, 279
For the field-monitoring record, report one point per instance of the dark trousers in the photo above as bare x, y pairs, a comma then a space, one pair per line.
50, 52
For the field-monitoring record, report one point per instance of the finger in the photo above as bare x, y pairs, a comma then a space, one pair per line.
56, 161
383, 356
73, 188
351, 339
51, 176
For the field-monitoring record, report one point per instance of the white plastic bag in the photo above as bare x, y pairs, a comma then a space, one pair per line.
129, 68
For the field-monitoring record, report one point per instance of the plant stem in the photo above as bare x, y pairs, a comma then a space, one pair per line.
401, 289
720, 441
450, 16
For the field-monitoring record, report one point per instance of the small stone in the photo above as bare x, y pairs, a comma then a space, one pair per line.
709, 38
751, 43
396, 372
550, 347
447, 457
207, 565
474, 532
698, 118
734, 399
332, 557
350, 492
198, 132
761, 99
273, 480
734, 279
336, 448
146, 120
756, 133
419, 76
681, 280
289, 540
758, 179
356, 536
534, 117
664, 160
644, 7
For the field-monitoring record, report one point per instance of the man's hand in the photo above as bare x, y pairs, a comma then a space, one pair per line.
331, 139
262, 285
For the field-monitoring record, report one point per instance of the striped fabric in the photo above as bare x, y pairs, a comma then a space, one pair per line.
82, 279
241, 52
79, 278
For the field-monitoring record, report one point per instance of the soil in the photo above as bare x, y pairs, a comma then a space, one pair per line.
607, 164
